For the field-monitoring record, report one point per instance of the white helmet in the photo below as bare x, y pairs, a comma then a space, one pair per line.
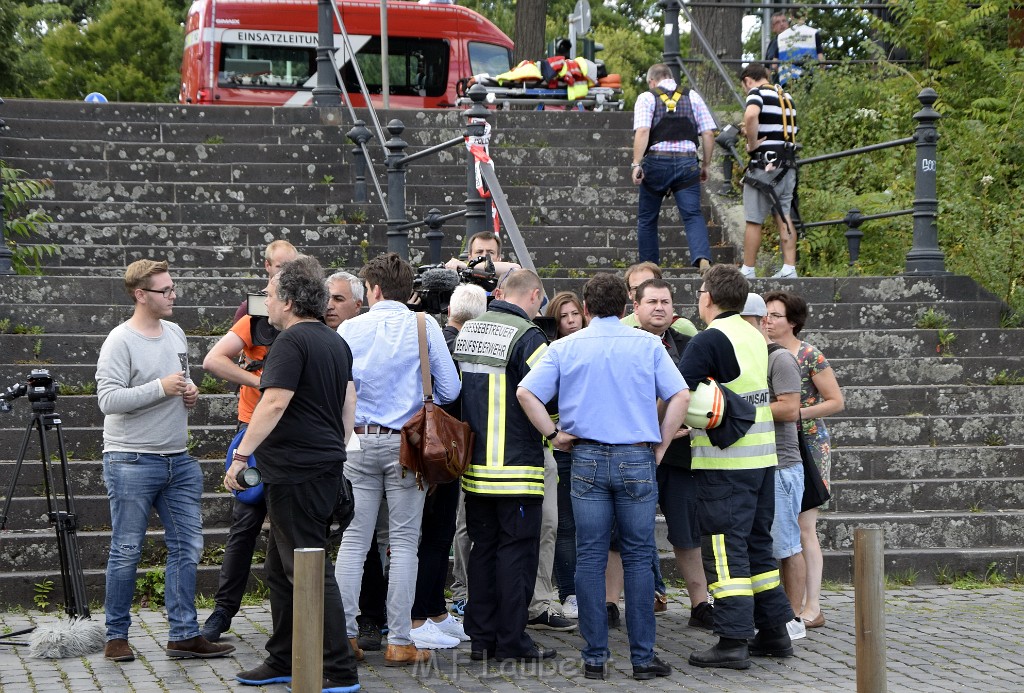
707, 405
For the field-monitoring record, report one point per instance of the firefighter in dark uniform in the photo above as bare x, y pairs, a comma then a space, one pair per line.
736, 485
504, 485
668, 121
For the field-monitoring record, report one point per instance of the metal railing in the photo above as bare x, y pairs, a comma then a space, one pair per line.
925, 256
330, 90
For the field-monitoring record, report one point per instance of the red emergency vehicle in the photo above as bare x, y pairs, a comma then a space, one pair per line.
263, 52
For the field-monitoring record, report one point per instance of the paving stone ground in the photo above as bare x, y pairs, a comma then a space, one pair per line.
937, 639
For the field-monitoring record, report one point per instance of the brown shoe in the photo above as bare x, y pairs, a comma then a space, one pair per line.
198, 647
400, 655
118, 651
356, 650
816, 622
660, 603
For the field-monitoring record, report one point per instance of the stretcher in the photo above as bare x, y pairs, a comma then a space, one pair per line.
597, 99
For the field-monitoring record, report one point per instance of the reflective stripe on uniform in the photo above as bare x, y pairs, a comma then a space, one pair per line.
535, 356
726, 586
494, 447
765, 581
470, 367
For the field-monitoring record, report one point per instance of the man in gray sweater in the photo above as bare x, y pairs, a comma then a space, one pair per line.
144, 392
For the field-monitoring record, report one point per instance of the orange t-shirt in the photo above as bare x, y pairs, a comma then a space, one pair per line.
248, 396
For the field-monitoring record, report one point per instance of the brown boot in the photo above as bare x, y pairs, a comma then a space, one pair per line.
356, 650
118, 651
197, 647
400, 655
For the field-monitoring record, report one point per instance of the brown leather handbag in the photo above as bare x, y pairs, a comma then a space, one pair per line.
436, 446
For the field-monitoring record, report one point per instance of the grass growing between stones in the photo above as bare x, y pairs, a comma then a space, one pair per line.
901, 578
1005, 377
993, 577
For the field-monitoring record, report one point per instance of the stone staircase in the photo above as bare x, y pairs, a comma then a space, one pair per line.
926, 447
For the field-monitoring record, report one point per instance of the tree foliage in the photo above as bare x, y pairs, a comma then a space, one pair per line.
130, 52
23, 222
980, 187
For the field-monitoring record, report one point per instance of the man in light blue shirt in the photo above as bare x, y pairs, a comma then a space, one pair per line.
389, 390
609, 378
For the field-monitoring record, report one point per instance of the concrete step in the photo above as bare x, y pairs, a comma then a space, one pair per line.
86, 474
94, 511
901, 343
17, 589
926, 371
957, 495
915, 401
35, 550
453, 175
174, 113
930, 564
931, 530
309, 193
416, 134
904, 463
86, 442
990, 429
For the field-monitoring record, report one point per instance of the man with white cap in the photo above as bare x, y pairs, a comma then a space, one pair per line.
784, 394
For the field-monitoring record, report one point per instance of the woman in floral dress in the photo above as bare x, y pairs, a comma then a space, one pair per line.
820, 396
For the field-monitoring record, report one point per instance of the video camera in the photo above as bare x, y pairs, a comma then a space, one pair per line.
435, 283
40, 388
262, 333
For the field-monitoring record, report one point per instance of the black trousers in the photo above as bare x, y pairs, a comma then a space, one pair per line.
502, 572
373, 592
246, 524
735, 510
299, 518
436, 535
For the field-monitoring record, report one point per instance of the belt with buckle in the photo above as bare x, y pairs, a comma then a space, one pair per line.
373, 429
674, 155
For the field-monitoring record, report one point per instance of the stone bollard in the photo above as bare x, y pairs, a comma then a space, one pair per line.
869, 608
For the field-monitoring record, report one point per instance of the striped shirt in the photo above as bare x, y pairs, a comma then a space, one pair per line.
770, 120
643, 116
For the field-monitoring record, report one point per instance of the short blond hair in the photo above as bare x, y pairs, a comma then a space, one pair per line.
276, 246
137, 274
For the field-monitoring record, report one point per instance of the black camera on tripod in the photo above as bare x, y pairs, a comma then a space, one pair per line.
435, 283
40, 388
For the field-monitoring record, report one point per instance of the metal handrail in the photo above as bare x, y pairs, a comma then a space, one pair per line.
856, 150
359, 77
443, 218
857, 218
711, 55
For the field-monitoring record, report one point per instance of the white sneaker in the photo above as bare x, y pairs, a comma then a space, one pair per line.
796, 629
785, 273
748, 272
570, 609
452, 627
428, 637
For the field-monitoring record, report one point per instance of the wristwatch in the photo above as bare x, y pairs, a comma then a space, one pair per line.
632, 166
553, 434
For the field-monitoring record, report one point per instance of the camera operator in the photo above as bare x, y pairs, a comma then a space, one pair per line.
276, 254
144, 391
488, 244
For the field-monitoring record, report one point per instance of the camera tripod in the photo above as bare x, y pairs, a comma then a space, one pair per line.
65, 521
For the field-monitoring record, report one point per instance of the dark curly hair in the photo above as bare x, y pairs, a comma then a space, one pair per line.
301, 281
605, 296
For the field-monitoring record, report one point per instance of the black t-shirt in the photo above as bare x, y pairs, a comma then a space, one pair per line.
315, 363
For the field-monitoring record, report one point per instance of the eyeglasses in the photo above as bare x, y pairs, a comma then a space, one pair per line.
168, 292
701, 291
776, 316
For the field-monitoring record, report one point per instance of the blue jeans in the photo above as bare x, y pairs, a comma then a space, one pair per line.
137, 483
661, 174
614, 483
